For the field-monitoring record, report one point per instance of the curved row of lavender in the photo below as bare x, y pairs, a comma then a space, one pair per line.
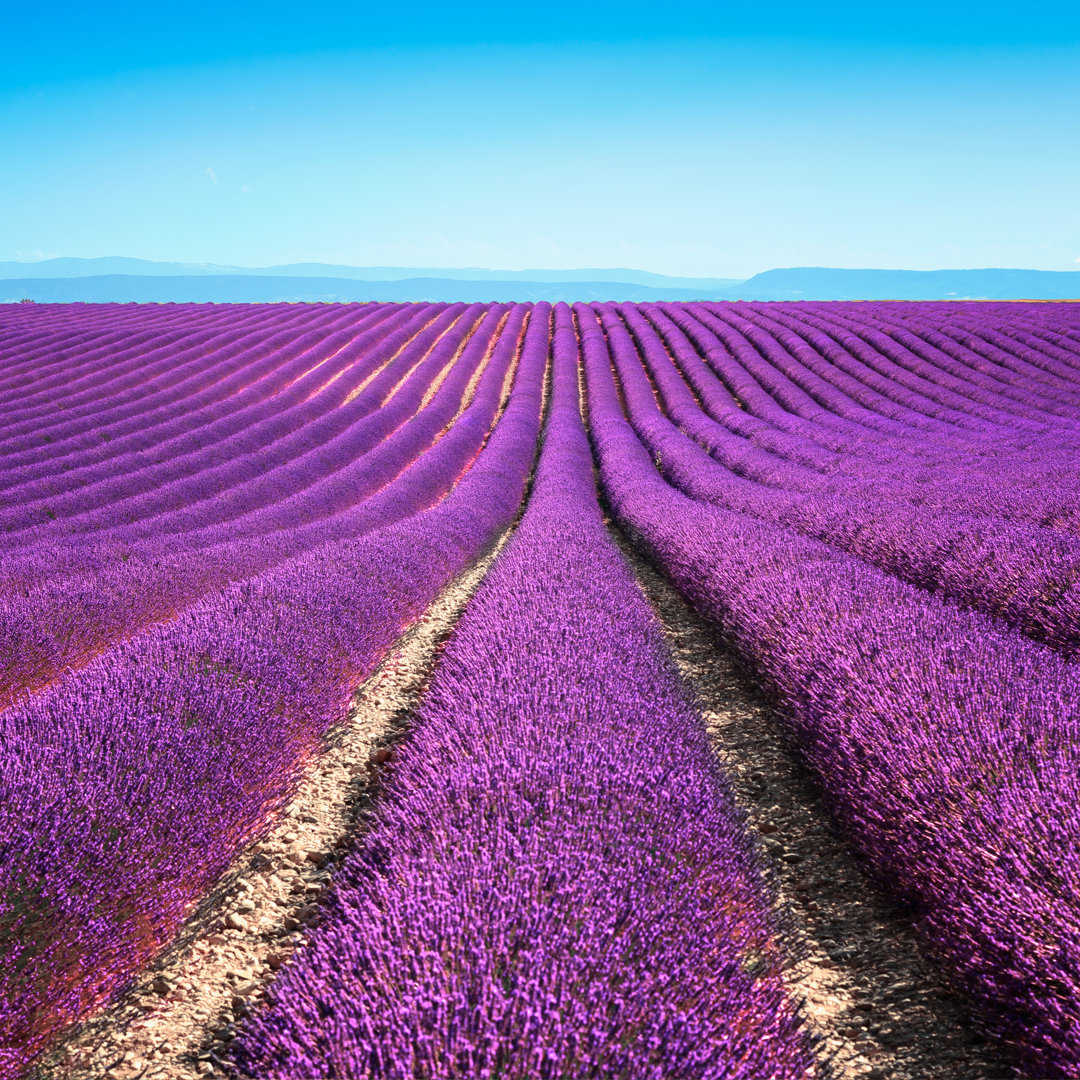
1025, 575
775, 374
186, 491
556, 882
126, 787
949, 745
66, 601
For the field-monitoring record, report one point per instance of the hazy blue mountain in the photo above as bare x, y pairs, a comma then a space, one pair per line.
399, 273
128, 288
819, 283
78, 268
113, 264
126, 280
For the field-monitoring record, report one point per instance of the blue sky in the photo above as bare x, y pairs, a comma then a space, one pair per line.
695, 139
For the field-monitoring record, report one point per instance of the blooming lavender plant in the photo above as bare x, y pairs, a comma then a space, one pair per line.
128, 786
214, 520
557, 883
948, 747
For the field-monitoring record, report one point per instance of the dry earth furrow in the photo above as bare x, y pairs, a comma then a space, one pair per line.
173, 1023
880, 1008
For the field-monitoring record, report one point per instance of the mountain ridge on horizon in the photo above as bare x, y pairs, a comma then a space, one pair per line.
122, 280
69, 267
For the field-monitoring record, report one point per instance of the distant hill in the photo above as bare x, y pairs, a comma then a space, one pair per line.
113, 264
820, 283
241, 289
126, 280
118, 265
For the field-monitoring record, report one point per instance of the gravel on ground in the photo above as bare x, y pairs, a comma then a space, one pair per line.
177, 1019
880, 1009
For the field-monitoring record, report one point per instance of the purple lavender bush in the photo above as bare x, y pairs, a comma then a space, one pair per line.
127, 787
214, 520
948, 746
557, 883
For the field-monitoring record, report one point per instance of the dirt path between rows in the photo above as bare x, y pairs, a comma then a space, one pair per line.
176, 1021
878, 1006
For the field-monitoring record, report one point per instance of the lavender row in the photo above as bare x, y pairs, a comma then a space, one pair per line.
39, 370
1007, 376
69, 377
947, 748
23, 334
153, 363
929, 389
236, 374
1025, 576
296, 421
128, 787
751, 389
78, 600
57, 343
229, 378
1054, 350
789, 455
804, 382
835, 401
556, 882
865, 464
235, 366
986, 475
1009, 433
29, 565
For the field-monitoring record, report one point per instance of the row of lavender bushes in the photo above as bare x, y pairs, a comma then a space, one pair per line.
556, 883
64, 606
127, 787
949, 747
936, 443
1011, 569
773, 375
271, 419
241, 363
56, 362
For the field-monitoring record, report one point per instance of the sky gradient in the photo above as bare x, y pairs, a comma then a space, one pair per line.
686, 139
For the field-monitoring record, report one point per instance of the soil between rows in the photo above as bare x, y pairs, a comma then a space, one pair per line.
877, 1004
177, 1019
878, 1007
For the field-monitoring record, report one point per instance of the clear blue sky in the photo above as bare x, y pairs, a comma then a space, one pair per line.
685, 138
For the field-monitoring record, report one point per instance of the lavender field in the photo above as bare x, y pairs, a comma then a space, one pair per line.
221, 524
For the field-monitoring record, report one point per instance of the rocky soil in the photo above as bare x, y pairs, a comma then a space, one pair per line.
177, 1020
878, 1006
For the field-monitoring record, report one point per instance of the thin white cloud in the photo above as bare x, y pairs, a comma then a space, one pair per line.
245, 188
213, 176
41, 256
